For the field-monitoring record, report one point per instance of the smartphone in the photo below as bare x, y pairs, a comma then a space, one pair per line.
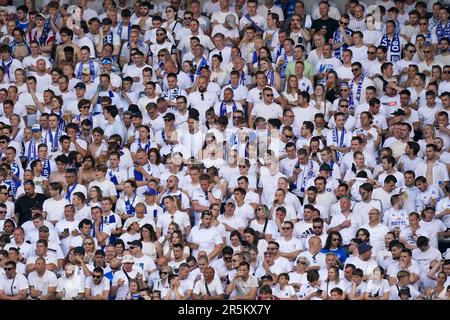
66, 230
261, 160
319, 291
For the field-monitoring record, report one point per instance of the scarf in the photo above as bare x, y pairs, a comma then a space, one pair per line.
120, 30
109, 38
393, 46
70, 191
443, 32
270, 78
129, 207
32, 154
146, 146
351, 100
223, 108
338, 38
253, 23
46, 168
7, 66
172, 94
203, 63
91, 69
53, 139
138, 176
339, 140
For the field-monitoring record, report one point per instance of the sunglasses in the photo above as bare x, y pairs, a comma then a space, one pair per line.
164, 272
96, 276
317, 227
272, 248
87, 243
412, 51
2, 211
227, 259
344, 23
355, 69
85, 107
284, 228
289, 137
3, 141
335, 239
269, 95
370, 52
423, 24
9, 269
426, 51
243, 167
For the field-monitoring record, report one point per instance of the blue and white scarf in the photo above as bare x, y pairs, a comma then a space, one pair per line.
223, 108
338, 38
91, 69
138, 176
339, 140
394, 46
351, 100
253, 23
443, 32
46, 168
120, 30
70, 191
203, 63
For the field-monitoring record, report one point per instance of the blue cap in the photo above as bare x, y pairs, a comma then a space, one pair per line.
364, 247
151, 192
107, 61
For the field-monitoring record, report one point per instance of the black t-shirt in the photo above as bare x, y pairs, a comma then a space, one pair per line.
24, 204
330, 25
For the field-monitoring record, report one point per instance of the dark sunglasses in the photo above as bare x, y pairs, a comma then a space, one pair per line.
269, 95
96, 277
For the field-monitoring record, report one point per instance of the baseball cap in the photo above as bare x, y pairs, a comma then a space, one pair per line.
127, 259
44, 229
231, 201
40, 16
404, 290
151, 192
107, 61
35, 128
398, 112
364, 247
80, 85
169, 116
135, 243
231, 19
86, 71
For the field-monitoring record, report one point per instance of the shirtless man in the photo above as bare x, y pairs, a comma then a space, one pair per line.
66, 38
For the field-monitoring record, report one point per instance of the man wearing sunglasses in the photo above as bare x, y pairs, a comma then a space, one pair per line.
268, 109
97, 286
13, 285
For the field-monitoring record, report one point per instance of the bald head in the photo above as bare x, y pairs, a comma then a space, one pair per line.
115, 263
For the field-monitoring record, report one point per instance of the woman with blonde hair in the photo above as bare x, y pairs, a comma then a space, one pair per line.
266, 228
